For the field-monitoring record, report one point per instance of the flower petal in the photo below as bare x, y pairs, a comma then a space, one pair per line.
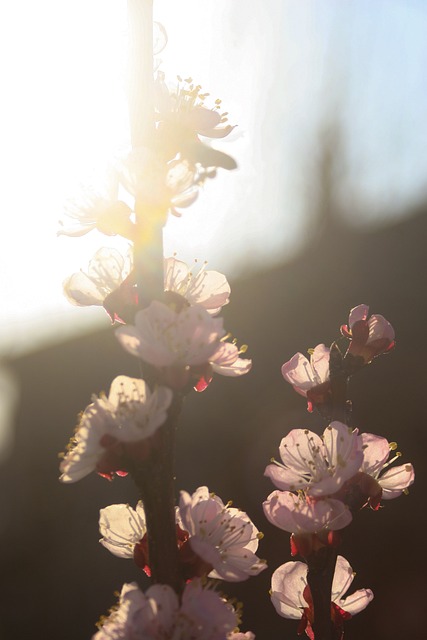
357, 314
376, 451
358, 601
287, 586
395, 480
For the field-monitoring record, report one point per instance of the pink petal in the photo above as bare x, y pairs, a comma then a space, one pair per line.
296, 448
357, 601
376, 451
343, 577
395, 480
357, 314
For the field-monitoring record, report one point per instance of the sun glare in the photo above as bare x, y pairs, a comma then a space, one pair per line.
67, 73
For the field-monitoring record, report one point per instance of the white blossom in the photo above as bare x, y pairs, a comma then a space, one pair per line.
299, 514
221, 535
97, 208
304, 374
317, 465
206, 288
289, 584
162, 337
106, 271
157, 615
130, 414
376, 452
122, 528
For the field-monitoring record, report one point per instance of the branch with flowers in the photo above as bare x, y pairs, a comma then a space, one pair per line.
168, 317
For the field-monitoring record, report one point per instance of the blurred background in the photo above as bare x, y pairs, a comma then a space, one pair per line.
326, 210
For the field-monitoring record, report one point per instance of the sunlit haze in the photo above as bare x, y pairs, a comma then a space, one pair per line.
283, 69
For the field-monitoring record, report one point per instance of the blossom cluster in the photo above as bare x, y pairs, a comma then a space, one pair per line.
214, 539
181, 343
322, 481
165, 175
158, 614
179, 339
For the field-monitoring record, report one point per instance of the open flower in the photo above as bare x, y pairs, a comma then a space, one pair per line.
370, 335
157, 614
182, 117
209, 289
122, 528
159, 184
106, 272
299, 514
319, 466
124, 534
291, 597
110, 282
98, 209
162, 337
376, 452
310, 378
221, 535
182, 344
212, 537
184, 105
114, 428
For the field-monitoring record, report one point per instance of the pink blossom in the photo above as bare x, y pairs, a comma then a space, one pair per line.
310, 378
226, 360
181, 344
110, 282
157, 614
370, 336
98, 209
376, 452
291, 595
299, 514
111, 428
206, 288
163, 337
106, 272
224, 537
319, 466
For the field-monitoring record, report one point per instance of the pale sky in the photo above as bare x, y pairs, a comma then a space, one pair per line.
281, 68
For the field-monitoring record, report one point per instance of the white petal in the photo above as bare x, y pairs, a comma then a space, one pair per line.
285, 479
80, 290
297, 371
357, 601
287, 586
320, 361
343, 577
358, 313
122, 528
395, 480
296, 449
379, 328
344, 448
125, 389
376, 451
